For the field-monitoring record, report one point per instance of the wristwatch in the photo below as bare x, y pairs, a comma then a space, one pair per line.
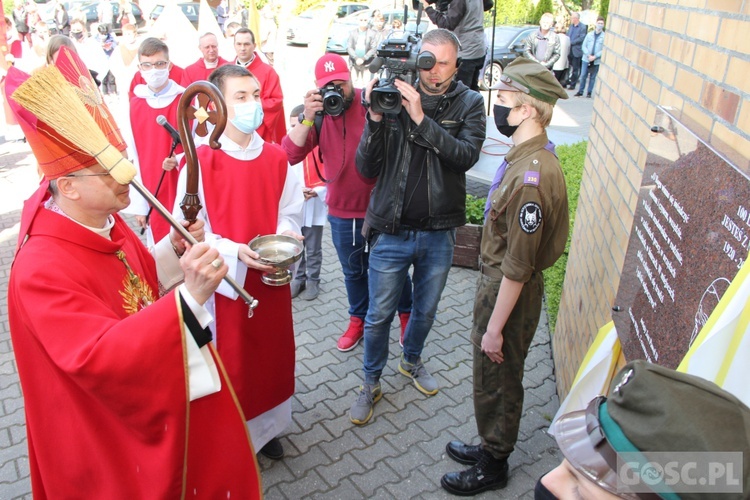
305, 121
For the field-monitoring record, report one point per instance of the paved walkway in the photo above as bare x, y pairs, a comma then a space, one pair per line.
399, 454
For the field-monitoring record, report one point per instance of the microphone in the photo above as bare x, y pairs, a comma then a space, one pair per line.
375, 65
169, 128
438, 84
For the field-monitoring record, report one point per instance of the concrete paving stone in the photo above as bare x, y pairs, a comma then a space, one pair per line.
403, 441
311, 398
303, 486
344, 491
438, 422
458, 372
537, 376
274, 471
10, 405
347, 441
12, 391
304, 464
340, 387
15, 418
312, 431
12, 452
17, 433
375, 429
370, 484
412, 487
8, 472
317, 377
407, 462
374, 453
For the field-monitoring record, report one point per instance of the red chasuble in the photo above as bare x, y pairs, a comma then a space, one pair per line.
274, 124
198, 71
242, 201
153, 143
104, 375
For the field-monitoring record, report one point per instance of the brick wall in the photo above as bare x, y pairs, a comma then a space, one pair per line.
692, 55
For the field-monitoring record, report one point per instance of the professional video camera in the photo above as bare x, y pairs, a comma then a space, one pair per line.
441, 5
333, 99
397, 58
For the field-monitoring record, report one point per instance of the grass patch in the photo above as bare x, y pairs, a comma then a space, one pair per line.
571, 158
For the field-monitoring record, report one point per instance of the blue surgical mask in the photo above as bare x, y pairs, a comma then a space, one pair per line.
248, 116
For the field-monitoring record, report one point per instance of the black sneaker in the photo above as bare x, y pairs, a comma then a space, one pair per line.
578, 94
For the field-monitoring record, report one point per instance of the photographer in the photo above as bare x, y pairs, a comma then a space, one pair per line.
419, 157
337, 133
465, 19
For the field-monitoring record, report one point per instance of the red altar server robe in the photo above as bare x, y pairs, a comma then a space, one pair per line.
104, 375
242, 202
198, 71
152, 145
272, 99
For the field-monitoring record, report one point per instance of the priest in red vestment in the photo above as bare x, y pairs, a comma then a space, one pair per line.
160, 95
125, 396
274, 124
248, 189
208, 44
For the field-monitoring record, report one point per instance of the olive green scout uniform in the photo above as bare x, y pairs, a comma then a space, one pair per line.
525, 233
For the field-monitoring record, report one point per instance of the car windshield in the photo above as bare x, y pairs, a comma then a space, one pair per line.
503, 36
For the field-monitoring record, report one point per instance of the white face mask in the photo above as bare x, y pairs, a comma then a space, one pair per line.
599, 28
248, 116
155, 78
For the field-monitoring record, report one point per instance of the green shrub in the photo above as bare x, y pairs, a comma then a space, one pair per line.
475, 209
571, 157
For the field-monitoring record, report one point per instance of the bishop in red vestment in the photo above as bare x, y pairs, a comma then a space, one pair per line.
124, 394
248, 190
274, 125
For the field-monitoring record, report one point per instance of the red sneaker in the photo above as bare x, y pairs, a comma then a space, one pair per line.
352, 335
404, 319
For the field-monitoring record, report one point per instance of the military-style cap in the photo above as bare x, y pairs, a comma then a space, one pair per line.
530, 77
654, 409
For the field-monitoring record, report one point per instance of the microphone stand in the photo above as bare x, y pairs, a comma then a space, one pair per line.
156, 193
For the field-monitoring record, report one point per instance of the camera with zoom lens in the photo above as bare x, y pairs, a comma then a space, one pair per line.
441, 5
333, 99
396, 58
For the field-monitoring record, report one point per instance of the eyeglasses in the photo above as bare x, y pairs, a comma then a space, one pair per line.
102, 174
158, 65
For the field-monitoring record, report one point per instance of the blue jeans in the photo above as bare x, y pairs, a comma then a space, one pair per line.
391, 256
347, 238
591, 73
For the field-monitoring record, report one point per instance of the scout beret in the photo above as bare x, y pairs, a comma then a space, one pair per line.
652, 409
530, 77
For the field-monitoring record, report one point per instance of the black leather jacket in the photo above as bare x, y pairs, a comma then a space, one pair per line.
453, 138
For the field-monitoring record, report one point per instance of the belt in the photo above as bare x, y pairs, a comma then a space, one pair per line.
490, 271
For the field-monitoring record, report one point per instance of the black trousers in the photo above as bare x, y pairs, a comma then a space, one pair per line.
468, 72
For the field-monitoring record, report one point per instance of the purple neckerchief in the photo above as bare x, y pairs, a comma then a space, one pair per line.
501, 172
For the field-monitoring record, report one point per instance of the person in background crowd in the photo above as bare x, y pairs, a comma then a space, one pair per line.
592, 48
361, 48
108, 43
306, 283
268, 33
543, 46
62, 21
576, 33
272, 98
20, 22
208, 45
465, 18
561, 66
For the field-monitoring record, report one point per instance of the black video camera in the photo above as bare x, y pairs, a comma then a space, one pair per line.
333, 99
441, 5
396, 58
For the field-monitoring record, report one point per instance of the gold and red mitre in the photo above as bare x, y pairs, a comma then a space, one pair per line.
56, 155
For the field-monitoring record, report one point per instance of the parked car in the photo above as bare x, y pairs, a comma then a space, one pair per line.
190, 9
92, 16
508, 46
302, 28
338, 37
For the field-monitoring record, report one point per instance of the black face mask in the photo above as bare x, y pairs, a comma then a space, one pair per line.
501, 120
78, 36
541, 492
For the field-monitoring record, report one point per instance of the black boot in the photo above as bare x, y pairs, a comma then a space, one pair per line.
464, 453
273, 449
488, 474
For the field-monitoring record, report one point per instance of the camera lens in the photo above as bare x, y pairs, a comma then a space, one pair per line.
333, 103
386, 100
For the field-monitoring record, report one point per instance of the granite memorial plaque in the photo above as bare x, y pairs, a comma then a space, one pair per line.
690, 236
